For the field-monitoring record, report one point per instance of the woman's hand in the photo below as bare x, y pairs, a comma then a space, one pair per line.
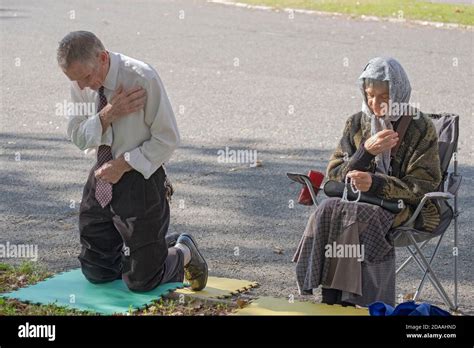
361, 180
381, 141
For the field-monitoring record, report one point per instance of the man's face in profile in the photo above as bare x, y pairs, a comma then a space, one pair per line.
91, 74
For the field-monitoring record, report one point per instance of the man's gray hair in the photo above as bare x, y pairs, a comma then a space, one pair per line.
82, 46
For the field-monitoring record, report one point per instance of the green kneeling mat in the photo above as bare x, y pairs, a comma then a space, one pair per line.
73, 290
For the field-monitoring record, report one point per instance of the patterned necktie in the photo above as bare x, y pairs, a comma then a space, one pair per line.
103, 190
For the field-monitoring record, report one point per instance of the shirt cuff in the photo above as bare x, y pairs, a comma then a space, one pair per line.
140, 163
377, 185
107, 137
92, 131
93, 135
361, 159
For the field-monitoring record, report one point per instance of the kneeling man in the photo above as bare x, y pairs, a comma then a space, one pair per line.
124, 213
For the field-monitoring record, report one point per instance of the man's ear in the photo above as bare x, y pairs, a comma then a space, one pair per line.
103, 57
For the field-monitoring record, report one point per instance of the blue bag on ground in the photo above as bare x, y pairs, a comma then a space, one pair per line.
409, 308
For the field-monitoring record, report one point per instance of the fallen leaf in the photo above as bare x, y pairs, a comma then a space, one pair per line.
241, 303
278, 251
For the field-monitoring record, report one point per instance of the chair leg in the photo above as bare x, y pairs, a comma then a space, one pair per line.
435, 252
435, 285
455, 248
402, 266
425, 267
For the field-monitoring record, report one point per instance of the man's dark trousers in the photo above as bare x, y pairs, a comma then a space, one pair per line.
126, 239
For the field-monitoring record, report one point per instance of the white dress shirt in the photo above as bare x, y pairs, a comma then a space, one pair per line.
147, 137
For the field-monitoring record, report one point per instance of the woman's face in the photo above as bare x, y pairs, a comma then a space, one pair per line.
377, 99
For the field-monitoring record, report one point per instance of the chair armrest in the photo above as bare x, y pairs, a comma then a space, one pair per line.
305, 181
427, 196
297, 177
439, 195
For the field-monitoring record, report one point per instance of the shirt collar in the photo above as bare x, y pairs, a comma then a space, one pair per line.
111, 79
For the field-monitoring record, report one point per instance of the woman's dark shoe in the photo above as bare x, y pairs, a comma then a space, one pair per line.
196, 271
347, 304
331, 296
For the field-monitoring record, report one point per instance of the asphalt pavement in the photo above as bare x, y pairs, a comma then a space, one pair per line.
248, 80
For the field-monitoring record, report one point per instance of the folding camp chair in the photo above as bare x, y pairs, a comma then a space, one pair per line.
447, 127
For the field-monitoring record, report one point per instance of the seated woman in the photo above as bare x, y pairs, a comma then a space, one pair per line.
364, 156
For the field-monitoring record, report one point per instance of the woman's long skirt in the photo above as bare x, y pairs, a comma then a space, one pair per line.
345, 246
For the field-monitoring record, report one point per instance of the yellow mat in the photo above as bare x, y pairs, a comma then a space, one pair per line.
220, 288
281, 306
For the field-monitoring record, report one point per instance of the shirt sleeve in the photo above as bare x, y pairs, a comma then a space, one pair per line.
165, 136
348, 156
361, 160
85, 131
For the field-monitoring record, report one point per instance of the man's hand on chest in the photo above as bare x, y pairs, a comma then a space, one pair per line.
123, 103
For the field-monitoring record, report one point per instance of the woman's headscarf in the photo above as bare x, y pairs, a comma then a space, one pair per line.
390, 70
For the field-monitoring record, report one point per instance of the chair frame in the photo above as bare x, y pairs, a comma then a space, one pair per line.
417, 254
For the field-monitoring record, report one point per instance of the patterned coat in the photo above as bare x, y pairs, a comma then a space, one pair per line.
415, 168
